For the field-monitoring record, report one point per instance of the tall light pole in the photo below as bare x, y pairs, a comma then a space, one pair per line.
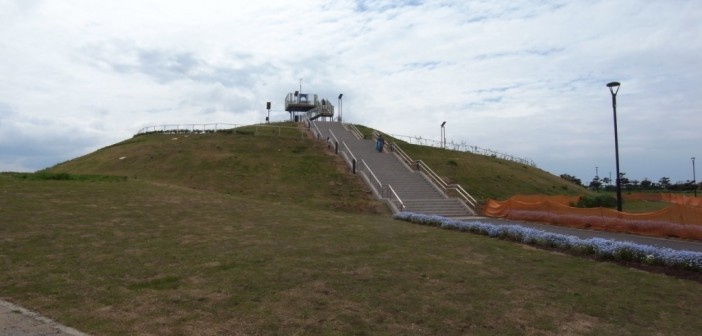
443, 135
694, 178
340, 95
614, 88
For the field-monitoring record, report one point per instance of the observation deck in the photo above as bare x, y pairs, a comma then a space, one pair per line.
309, 104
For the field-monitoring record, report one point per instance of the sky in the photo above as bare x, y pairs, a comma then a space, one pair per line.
527, 78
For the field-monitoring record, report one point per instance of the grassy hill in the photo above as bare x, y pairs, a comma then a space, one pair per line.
201, 238
275, 164
270, 167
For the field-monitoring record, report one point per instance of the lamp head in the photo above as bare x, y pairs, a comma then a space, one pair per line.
443, 123
340, 94
613, 87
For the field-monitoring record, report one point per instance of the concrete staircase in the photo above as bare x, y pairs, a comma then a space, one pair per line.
380, 170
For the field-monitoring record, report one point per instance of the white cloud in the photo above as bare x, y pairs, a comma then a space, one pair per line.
522, 77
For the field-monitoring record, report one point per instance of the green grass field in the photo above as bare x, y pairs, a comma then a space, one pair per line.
270, 235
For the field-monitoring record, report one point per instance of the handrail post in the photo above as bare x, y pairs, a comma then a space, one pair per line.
336, 147
353, 166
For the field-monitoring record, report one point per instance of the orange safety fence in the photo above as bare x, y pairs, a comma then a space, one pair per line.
677, 220
665, 197
560, 199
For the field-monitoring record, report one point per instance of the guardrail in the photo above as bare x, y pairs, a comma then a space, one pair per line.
318, 133
345, 153
375, 182
188, 128
336, 141
393, 195
384, 191
354, 130
258, 129
421, 166
464, 148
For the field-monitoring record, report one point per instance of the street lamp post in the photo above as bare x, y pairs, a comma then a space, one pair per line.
443, 135
268, 118
694, 178
613, 89
340, 116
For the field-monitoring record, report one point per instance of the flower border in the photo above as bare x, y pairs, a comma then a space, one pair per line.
604, 248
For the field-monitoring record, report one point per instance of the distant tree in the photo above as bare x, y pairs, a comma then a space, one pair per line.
664, 182
623, 180
646, 184
689, 185
633, 184
595, 184
681, 186
572, 179
606, 180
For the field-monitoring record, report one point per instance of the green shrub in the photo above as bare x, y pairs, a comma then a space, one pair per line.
61, 176
601, 200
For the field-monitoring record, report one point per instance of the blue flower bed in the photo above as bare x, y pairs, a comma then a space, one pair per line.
603, 248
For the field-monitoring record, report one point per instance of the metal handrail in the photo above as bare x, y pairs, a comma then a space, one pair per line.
457, 187
333, 136
346, 153
349, 151
384, 191
391, 190
380, 185
336, 142
434, 176
319, 133
354, 130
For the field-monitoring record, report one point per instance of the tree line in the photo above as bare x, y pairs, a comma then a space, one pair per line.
607, 184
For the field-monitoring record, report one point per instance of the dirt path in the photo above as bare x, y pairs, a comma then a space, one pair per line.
18, 321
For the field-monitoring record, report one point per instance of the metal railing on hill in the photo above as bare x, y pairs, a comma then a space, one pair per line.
423, 167
187, 128
317, 133
354, 130
383, 190
463, 147
254, 129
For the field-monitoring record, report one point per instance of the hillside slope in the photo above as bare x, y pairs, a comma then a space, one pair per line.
295, 169
490, 177
484, 176
286, 169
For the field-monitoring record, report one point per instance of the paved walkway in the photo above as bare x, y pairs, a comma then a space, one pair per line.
18, 321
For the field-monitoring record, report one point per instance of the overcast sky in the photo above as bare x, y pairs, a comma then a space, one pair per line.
520, 77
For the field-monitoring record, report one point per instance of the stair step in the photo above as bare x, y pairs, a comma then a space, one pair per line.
416, 192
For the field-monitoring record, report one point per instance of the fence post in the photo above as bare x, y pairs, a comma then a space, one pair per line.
336, 147
353, 166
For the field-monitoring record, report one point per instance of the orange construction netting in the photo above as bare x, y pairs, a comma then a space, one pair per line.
670, 198
677, 220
